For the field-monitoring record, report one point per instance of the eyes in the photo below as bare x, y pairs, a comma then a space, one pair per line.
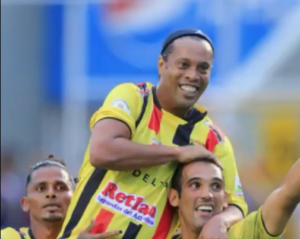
183, 65
216, 186
58, 187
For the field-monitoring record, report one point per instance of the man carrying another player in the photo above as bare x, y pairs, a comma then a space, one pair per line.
49, 188
133, 152
198, 192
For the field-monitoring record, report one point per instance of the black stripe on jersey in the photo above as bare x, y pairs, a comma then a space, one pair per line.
21, 235
145, 102
31, 234
132, 231
182, 135
183, 132
89, 190
156, 102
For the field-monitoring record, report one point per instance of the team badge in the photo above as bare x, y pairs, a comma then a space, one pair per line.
121, 104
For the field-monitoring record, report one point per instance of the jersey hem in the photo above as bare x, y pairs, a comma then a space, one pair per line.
114, 118
232, 204
265, 229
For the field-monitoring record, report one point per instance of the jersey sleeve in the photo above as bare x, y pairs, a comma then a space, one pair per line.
221, 146
123, 103
251, 227
10, 233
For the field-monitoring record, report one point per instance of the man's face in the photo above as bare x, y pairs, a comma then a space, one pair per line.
185, 75
48, 194
202, 195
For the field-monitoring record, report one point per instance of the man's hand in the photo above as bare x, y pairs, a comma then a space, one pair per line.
86, 233
192, 152
215, 228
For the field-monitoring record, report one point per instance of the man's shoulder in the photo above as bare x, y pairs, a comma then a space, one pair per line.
132, 86
11, 233
8, 229
246, 227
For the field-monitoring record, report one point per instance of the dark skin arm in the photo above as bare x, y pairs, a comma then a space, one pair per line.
285, 200
111, 148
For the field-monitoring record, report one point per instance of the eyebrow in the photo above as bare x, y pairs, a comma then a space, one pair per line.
186, 59
45, 182
213, 179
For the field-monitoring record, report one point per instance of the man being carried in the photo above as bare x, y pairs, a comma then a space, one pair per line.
133, 152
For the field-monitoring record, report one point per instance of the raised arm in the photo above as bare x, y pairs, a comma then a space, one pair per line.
113, 127
280, 205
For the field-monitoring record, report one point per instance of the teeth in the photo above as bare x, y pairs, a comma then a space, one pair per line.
205, 208
188, 88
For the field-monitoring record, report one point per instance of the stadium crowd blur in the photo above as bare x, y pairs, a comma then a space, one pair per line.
45, 108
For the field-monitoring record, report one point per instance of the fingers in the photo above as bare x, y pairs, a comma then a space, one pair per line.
108, 234
89, 227
216, 160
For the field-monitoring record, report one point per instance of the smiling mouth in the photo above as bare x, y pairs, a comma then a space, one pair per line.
205, 208
189, 88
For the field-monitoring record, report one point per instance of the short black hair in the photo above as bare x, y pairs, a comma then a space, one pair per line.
53, 162
176, 182
170, 48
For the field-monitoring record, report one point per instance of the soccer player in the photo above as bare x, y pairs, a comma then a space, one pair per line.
133, 152
198, 193
49, 188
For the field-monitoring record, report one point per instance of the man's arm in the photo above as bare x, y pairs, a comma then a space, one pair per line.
113, 127
230, 216
111, 148
280, 205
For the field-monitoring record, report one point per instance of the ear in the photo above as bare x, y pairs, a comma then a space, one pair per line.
24, 204
173, 198
160, 65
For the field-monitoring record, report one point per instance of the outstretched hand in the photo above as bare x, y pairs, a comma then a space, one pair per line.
86, 233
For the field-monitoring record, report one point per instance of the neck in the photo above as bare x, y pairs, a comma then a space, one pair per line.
45, 230
186, 232
166, 103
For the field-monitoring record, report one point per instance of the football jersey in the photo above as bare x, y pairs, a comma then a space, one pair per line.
251, 227
11, 233
136, 201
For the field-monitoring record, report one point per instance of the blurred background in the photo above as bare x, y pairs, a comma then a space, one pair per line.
59, 59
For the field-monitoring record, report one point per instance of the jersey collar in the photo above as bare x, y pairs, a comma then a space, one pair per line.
194, 115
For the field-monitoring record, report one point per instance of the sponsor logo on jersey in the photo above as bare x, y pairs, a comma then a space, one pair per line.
121, 104
130, 205
238, 187
149, 179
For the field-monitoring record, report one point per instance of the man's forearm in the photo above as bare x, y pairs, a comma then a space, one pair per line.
275, 221
231, 215
285, 200
122, 155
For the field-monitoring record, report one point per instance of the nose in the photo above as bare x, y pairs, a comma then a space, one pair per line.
205, 193
192, 74
51, 193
